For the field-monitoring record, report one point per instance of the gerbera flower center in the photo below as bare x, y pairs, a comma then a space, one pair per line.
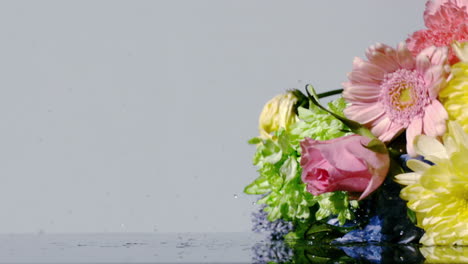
404, 95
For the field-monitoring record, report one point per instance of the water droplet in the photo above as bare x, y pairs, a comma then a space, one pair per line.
235, 196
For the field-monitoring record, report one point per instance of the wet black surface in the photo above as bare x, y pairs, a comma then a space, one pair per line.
208, 248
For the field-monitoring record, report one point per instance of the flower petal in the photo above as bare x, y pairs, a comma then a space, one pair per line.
381, 126
374, 72
430, 148
414, 129
435, 79
358, 77
394, 130
405, 58
383, 56
364, 114
417, 165
407, 178
435, 117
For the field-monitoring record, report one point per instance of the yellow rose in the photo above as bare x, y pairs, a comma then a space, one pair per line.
278, 113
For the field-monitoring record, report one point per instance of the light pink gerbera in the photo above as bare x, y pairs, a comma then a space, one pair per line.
394, 91
446, 22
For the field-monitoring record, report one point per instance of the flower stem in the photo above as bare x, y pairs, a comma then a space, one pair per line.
329, 93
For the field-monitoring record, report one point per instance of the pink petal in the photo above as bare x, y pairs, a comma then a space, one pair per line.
353, 184
437, 10
384, 61
374, 72
435, 78
381, 126
414, 129
381, 48
394, 130
383, 56
362, 89
405, 58
375, 182
361, 98
439, 56
340, 156
422, 63
435, 117
360, 77
364, 114
312, 156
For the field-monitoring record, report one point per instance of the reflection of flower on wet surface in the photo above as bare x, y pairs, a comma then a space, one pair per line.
269, 252
274, 230
445, 254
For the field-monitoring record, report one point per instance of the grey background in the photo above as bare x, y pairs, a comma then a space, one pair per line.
133, 116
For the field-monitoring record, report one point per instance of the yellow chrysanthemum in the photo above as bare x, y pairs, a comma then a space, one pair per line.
439, 193
455, 94
278, 113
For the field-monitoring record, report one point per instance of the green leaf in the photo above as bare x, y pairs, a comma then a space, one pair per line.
255, 141
337, 106
335, 203
353, 125
377, 146
284, 142
289, 169
411, 215
259, 186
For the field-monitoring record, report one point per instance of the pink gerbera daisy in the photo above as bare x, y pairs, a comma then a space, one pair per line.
446, 22
394, 91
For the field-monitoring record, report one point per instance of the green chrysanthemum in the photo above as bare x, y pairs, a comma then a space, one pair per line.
278, 160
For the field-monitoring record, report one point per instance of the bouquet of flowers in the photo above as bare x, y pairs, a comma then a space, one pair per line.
385, 162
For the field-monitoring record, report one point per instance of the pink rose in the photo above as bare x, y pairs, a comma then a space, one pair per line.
342, 164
